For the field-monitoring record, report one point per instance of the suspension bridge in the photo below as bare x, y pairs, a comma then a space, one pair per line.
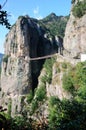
42, 57
60, 58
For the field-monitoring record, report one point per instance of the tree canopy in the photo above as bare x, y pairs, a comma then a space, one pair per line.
4, 16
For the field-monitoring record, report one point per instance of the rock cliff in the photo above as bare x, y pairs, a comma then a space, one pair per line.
28, 38
31, 38
75, 34
55, 79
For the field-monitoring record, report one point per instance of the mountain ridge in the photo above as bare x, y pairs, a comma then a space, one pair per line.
51, 88
55, 24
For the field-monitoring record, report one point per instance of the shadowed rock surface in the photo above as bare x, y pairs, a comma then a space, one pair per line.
28, 38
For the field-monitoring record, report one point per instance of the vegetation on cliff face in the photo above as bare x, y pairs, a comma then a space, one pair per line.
39, 95
74, 80
70, 114
73, 1
1, 57
67, 114
79, 9
63, 114
5, 58
48, 69
55, 24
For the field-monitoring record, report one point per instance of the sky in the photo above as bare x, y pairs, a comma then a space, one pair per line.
34, 8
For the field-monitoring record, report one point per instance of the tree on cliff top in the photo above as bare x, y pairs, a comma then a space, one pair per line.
4, 16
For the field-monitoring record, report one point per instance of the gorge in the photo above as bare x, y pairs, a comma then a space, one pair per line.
50, 89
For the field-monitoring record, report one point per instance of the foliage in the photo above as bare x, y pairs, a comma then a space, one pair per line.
9, 107
55, 24
48, 66
40, 93
5, 58
67, 115
80, 79
4, 118
64, 65
79, 9
75, 79
80, 73
4, 18
20, 17
30, 97
82, 92
63, 114
34, 106
20, 123
67, 82
43, 79
53, 100
73, 1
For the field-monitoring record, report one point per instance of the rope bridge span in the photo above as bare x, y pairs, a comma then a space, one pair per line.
42, 57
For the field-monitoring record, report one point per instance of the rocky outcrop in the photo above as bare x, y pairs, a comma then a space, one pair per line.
26, 39
16, 77
55, 87
75, 34
55, 24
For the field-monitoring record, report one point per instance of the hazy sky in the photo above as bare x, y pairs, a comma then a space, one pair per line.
34, 8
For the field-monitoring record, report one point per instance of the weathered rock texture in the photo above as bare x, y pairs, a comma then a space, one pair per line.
75, 35
16, 76
27, 39
55, 87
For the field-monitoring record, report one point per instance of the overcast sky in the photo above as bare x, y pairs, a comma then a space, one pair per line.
34, 8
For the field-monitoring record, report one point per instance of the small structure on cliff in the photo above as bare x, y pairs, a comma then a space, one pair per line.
83, 57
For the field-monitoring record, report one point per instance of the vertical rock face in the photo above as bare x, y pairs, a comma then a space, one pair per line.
75, 34
27, 39
16, 76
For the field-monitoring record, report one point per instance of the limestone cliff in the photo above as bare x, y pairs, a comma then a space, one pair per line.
75, 34
26, 39
54, 87
29, 39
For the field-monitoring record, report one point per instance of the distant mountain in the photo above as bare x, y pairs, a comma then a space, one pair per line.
55, 24
1, 56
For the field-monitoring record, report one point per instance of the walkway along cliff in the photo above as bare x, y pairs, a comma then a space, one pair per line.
27, 45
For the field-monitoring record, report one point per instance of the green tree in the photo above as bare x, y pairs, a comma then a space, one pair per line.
4, 16
79, 9
30, 97
48, 68
4, 119
73, 1
80, 79
67, 82
67, 114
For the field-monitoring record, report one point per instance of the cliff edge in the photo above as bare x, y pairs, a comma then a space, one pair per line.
75, 34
